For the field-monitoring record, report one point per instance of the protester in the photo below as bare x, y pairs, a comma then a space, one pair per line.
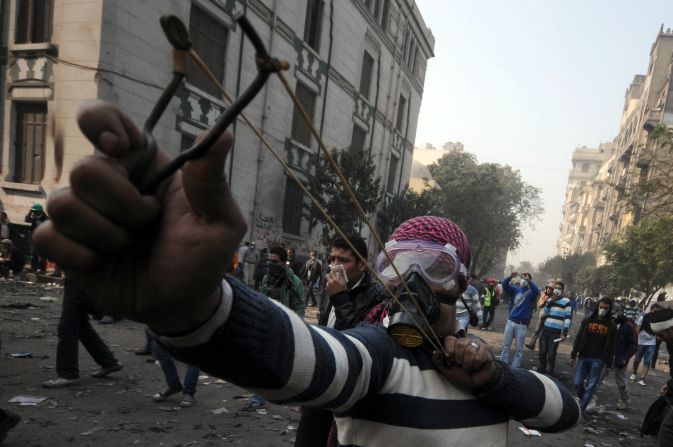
74, 327
632, 310
546, 294
491, 301
12, 260
281, 284
311, 273
173, 385
595, 347
520, 310
556, 315
250, 260
293, 262
468, 309
625, 347
662, 325
35, 217
229, 331
260, 268
5, 232
646, 345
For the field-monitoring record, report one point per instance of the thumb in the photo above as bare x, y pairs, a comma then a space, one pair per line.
205, 184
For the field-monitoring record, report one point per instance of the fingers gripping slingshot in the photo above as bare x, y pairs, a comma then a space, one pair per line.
178, 37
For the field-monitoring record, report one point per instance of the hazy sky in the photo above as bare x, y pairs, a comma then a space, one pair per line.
525, 82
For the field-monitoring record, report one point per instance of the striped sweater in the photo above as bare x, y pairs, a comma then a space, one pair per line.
381, 393
558, 315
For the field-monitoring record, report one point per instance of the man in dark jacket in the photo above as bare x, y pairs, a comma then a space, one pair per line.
312, 273
595, 345
351, 299
35, 217
353, 296
625, 347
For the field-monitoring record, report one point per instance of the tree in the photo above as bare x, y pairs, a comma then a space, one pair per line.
601, 281
649, 194
643, 257
360, 172
401, 207
567, 269
489, 201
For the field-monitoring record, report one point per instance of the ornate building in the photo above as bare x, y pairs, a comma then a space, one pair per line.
357, 66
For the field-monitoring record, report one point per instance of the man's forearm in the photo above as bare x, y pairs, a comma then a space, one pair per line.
534, 399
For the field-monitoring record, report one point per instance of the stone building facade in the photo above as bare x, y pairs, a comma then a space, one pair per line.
357, 66
583, 205
594, 213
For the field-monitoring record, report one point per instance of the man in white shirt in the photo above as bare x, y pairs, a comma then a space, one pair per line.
646, 345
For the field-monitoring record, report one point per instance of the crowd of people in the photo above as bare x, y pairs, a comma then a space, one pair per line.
393, 359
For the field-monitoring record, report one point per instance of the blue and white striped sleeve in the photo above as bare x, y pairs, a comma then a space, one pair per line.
536, 400
264, 347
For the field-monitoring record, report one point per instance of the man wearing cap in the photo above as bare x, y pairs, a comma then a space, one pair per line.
35, 217
381, 393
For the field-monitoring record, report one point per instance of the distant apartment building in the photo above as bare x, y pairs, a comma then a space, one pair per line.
357, 67
583, 204
594, 213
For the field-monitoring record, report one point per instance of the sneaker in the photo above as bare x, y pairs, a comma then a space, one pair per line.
104, 372
8, 421
253, 405
107, 319
530, 346
165, 394
641, 382
187, 400
633, 377
622, 405
60, 383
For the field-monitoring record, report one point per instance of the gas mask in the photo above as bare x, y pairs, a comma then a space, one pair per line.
405, 321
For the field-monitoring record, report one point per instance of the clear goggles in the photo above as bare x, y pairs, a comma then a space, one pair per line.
437, 264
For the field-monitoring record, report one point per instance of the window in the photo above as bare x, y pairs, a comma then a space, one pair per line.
401, 109
366, 75
300, 130
186, 141
33, 21
384, 15
292, 207
30, 141
359, 137
313, 24
585, 167
209, 39
392, 172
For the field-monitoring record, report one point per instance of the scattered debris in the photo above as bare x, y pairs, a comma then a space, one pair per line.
27, 401
219, 410
525, 431
92, 431
20, 355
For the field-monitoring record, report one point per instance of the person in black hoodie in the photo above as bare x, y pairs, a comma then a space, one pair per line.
595, 346
625, 347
